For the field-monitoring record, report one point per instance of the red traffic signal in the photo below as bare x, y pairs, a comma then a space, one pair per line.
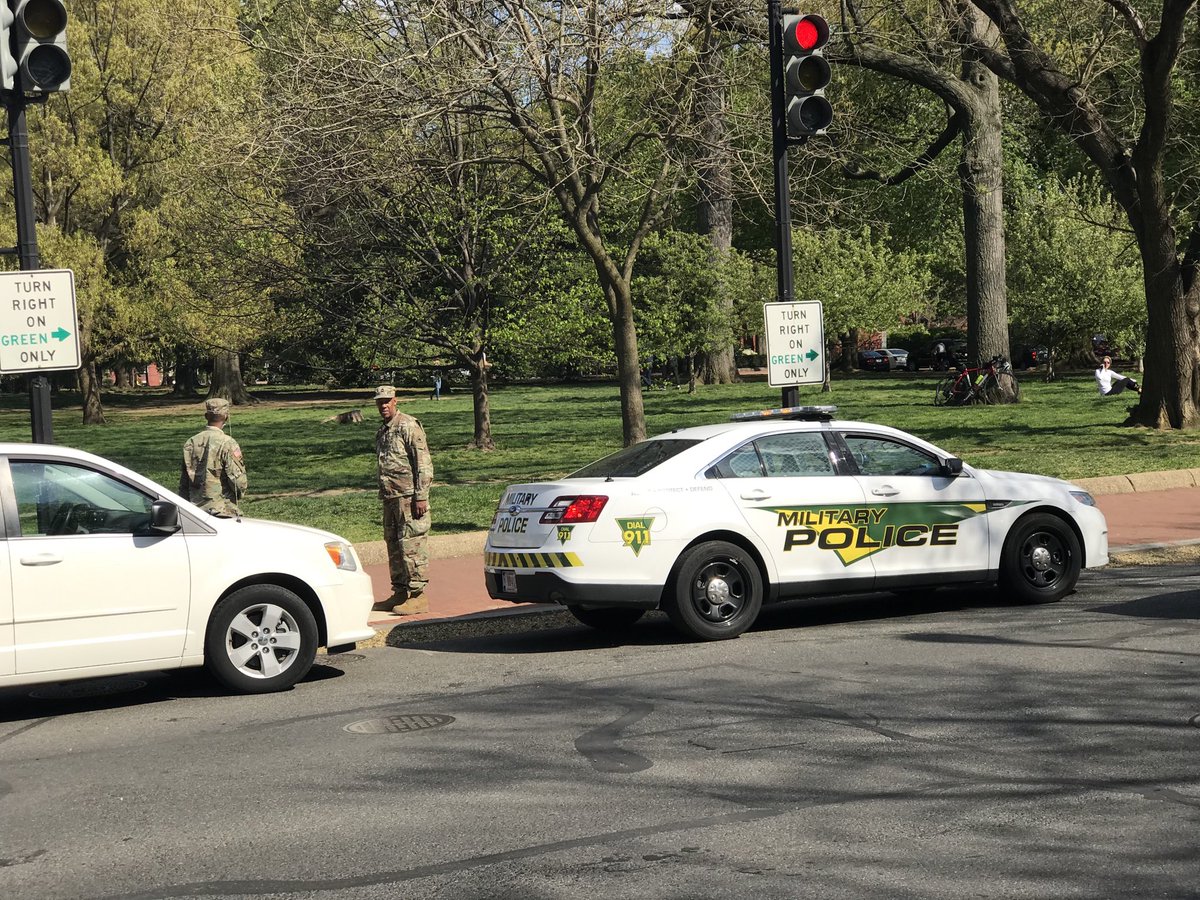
806, 73
804, 34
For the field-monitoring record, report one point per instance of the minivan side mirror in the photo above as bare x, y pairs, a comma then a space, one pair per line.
164, 517
951, 466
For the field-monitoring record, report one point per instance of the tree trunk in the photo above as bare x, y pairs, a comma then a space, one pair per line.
714, 207
89, 389
88, 377
185, 376
482, 406
633, 413
227, 379
123, 377
1171, 389
981, 173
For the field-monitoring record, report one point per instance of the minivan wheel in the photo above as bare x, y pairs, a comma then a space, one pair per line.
718, 592
260, 639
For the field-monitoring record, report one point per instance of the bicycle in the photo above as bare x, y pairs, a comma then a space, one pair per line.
992, 382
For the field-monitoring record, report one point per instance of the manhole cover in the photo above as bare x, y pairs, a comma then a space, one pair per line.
82, 690
398, 724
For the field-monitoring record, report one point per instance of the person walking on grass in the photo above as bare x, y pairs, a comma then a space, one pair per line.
405, 473
213, 475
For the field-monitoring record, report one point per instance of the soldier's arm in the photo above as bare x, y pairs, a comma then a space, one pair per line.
185, 474
235, 468
422, 462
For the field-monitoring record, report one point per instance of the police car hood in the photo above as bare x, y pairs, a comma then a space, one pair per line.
999, 485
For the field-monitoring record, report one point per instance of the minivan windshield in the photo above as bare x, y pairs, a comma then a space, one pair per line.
636, 460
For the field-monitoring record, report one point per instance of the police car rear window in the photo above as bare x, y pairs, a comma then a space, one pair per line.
634, 461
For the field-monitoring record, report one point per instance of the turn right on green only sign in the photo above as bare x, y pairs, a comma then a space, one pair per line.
39, 324
795, 343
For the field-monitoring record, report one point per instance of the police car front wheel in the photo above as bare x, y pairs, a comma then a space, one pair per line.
1041, 560
717, 593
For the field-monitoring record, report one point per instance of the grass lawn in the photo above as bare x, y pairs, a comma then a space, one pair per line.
305, 470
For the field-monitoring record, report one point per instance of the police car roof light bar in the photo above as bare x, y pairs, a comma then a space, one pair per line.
795, 413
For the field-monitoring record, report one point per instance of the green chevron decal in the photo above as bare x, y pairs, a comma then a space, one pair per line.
855, 532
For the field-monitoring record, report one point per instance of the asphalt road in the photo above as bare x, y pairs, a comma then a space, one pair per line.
950, 746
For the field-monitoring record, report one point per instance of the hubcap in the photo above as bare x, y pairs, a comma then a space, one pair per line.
262, 641
720, 589
1044, 559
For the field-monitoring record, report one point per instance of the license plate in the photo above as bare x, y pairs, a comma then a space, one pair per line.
508, 582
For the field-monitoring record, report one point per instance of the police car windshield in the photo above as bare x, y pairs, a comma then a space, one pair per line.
634, 461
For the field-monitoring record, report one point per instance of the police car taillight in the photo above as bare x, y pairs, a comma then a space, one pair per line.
585, 508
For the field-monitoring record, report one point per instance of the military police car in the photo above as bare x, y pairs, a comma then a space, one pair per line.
709, 523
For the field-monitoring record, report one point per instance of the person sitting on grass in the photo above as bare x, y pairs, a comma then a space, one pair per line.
1111, 383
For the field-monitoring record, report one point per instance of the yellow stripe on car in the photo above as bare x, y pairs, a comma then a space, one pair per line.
532, 560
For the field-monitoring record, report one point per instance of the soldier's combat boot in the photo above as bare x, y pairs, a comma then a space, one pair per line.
414, 605
384, 605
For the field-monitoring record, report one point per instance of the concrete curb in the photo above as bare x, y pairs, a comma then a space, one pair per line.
470, 543
441, 546
1141, 481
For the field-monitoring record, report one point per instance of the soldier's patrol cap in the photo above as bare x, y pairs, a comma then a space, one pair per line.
218, 406
385, 392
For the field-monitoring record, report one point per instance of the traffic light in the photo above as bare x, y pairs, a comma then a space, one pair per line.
40, 45
8, 65
806, 73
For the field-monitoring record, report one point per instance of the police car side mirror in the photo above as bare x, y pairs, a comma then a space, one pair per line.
164, 517
951, 466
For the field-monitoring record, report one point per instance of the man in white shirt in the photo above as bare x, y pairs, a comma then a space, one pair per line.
1111, 383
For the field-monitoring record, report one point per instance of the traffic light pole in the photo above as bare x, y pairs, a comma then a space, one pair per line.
27, 249
779, 146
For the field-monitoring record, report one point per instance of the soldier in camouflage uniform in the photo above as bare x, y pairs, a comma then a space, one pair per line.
214, 475
405, 472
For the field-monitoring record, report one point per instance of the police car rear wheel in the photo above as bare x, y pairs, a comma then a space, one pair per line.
717, 593
607, 618
1041, 560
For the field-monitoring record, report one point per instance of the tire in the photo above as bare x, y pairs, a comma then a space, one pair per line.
1041, 560
1001, 388
717, 592
249, 658
943, 392
607, 618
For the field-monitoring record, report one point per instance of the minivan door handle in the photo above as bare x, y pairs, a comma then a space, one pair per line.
40, 559
885, 490
756, 494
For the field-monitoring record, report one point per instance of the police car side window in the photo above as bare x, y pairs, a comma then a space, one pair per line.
877, 456
741, 463
794, 455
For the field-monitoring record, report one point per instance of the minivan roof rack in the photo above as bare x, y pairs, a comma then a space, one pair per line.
794, 413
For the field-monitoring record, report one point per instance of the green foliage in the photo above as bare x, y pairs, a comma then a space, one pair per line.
862, 281
1076, 271
680, 291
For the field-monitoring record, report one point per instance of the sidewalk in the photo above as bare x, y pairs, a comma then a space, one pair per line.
1147, 510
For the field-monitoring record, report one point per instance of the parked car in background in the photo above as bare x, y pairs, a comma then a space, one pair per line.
898, 355
953, 355
874, 361
1025, 357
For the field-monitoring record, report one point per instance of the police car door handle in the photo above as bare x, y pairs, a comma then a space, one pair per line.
885, 490
756, 494
40, 559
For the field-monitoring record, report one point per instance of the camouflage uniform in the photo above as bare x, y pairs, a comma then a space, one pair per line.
405, 472
213, 474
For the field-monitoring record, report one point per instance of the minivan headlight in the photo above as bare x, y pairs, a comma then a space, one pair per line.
342, 555
1084, 497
